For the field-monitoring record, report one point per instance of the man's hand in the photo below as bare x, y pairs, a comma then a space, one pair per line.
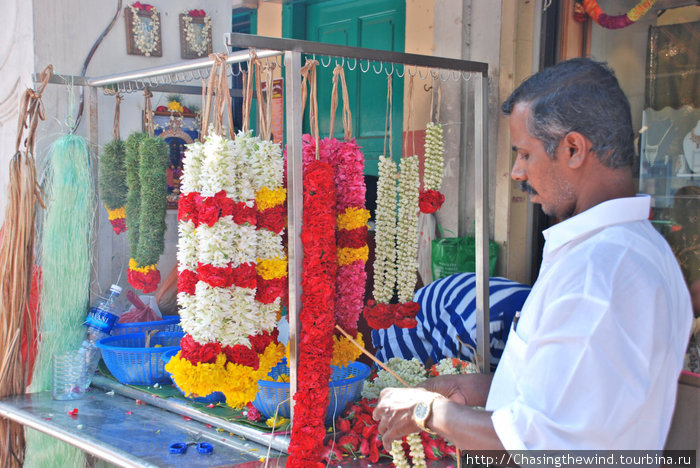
394, 412
470, 389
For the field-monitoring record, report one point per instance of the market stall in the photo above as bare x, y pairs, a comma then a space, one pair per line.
286, 55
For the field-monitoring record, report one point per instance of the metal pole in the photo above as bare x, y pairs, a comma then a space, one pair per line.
481, 207
295, 190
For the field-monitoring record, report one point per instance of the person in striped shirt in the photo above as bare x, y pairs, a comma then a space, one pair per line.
447, 321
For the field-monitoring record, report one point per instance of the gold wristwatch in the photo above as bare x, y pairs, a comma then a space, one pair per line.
422, 412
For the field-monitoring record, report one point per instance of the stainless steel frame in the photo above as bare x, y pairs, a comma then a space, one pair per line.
292, 50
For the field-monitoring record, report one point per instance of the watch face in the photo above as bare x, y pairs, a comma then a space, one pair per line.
421, 411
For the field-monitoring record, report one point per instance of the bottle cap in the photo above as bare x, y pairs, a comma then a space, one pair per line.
116, 288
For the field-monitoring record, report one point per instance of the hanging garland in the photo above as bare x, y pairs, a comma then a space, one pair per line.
431, 199
112, 184
230, 266
591, 8
396, 241
316, 316
146, 203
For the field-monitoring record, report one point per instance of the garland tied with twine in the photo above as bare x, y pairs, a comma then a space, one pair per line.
431, 199
232, 268
396, 239
112, 177
585, 8
146, 203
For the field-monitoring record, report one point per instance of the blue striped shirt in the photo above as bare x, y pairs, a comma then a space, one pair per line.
447, 312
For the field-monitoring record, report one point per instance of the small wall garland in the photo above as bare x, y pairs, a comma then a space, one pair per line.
198, 42
146, 37
591, 8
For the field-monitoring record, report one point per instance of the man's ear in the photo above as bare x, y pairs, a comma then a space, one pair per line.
577, 148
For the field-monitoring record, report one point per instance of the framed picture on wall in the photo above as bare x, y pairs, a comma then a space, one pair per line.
143, 34
195, 34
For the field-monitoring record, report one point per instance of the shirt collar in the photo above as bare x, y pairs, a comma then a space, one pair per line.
608, 213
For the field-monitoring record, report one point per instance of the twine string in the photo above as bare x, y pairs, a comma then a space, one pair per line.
148, 111
115, 126
388, 123
31, 110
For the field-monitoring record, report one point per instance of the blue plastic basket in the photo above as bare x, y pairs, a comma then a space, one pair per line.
342, 389
132, 363
169, 324
213, 397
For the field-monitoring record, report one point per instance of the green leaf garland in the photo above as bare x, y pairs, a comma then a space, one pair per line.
112, 175
133, 182
154, 191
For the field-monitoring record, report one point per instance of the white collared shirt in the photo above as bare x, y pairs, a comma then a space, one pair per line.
594, 360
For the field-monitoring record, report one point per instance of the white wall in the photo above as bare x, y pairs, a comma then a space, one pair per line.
16, 67
64, 37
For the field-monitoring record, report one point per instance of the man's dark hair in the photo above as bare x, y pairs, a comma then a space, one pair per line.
578, 95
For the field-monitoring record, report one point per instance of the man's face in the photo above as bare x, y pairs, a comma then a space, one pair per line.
547, 180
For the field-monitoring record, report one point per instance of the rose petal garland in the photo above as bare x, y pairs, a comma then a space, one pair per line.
616, 22
316, 316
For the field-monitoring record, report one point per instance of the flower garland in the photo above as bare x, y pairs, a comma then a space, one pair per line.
431, 199
396, 246
197, 41
146, 160
591, 8
200, 369
232, 267
112, 183
145, 34
385, 237
347, 161
317, 317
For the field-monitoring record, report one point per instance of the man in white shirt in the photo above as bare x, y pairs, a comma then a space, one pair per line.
594, 359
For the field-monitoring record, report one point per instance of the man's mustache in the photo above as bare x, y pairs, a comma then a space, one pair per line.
527, 188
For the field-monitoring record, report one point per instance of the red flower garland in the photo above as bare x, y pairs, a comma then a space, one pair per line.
380, 316
430, 201
196, 352
142, 6
317, 317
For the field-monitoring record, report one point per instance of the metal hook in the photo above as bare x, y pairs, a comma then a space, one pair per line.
468, 76
354, 66
388, 73
381, 67
427, 88
325, 65
441, 77
457, 76
415, 70
420, 74
434, 74
401, 75
362, 69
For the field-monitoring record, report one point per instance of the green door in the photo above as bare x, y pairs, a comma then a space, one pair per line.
373, 24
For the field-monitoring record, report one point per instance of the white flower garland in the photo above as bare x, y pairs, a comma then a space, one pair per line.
145, 38
412, 372
434, 157
192, 168
385, 237
407, 229
198, 43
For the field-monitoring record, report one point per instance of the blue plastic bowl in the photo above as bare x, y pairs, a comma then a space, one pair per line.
130, 362
342, 389
213, 397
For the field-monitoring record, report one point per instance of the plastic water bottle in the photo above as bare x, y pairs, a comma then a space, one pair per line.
99, 323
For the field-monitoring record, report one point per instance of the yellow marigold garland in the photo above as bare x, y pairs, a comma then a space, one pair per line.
266, 198
344, 351
272, 268
348, 255
117, 213
353, 218
133, 265
238, 383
